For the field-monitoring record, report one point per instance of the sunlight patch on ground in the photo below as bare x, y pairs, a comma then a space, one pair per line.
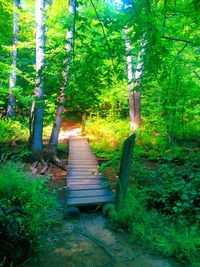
66, 134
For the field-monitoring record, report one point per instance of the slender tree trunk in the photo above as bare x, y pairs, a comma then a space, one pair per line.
39, 90
138, 83
130, 82
69, 48
13, 75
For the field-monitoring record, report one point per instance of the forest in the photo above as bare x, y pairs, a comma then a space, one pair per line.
106, 69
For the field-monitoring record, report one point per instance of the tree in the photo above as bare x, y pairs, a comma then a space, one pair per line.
38, 105
130, 82
69, 49
13, 74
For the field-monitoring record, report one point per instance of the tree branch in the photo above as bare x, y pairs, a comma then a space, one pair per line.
185, 45
74, 27
103, 29
198, 76
176, 39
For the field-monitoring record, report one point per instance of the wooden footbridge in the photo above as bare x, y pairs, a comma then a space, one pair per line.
85, 186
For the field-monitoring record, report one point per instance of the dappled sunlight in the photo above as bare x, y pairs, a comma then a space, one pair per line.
65, 134
74, 249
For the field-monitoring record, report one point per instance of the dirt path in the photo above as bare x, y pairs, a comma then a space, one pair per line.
90, 242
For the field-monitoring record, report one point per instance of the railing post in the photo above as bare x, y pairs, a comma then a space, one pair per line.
124, 171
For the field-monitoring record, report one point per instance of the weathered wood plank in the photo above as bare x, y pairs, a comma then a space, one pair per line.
81, 166
89, 193
84, 184
89, 177
82, 162
82, 173
87, 187
84, 201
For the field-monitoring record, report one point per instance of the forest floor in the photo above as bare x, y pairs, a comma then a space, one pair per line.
90, 240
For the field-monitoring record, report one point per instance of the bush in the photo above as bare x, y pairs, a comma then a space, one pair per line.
25, 212
165, 234
107, 136
12, 131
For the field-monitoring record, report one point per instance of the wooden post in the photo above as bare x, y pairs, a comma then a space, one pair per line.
124, 171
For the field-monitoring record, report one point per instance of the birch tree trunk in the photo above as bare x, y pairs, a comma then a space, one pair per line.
130, 81
138, 83
69, 48
39, 90
13, 75
134, 91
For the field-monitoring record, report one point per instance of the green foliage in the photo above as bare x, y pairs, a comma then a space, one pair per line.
165, 234
107, 134
175, 190
17, 189
12, 131
162, 208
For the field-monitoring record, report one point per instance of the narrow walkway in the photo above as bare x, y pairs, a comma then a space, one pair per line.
85, 186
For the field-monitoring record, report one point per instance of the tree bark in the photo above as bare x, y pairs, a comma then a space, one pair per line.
13, 75
130, 82
39, 90
138, 83
53, 142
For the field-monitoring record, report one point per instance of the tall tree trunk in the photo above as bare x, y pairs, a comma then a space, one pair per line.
69, 48
39, 90
138, 83
130, 82
13, 75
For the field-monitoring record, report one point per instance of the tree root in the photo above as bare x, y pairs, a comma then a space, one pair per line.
43, 163
100, 244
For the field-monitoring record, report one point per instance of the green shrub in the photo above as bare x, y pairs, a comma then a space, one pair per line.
12, 131
107, 136
25, 205
165, 234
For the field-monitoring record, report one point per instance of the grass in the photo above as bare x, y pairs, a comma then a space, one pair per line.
26, 212
166, 234
107, 136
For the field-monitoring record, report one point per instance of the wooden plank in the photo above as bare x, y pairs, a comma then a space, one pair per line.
73, 163
83, 173
84, 185
89, 193
86, 182
83, 170
84, 201
87, 187
84, 154
81, 166
89, 166
91, 177
92, 157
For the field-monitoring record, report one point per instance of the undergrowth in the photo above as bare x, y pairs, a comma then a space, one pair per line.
162, 208
26, 207
106, 135
13, 131
168, 235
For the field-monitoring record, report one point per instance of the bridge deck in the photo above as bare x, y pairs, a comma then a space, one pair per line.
85, 186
